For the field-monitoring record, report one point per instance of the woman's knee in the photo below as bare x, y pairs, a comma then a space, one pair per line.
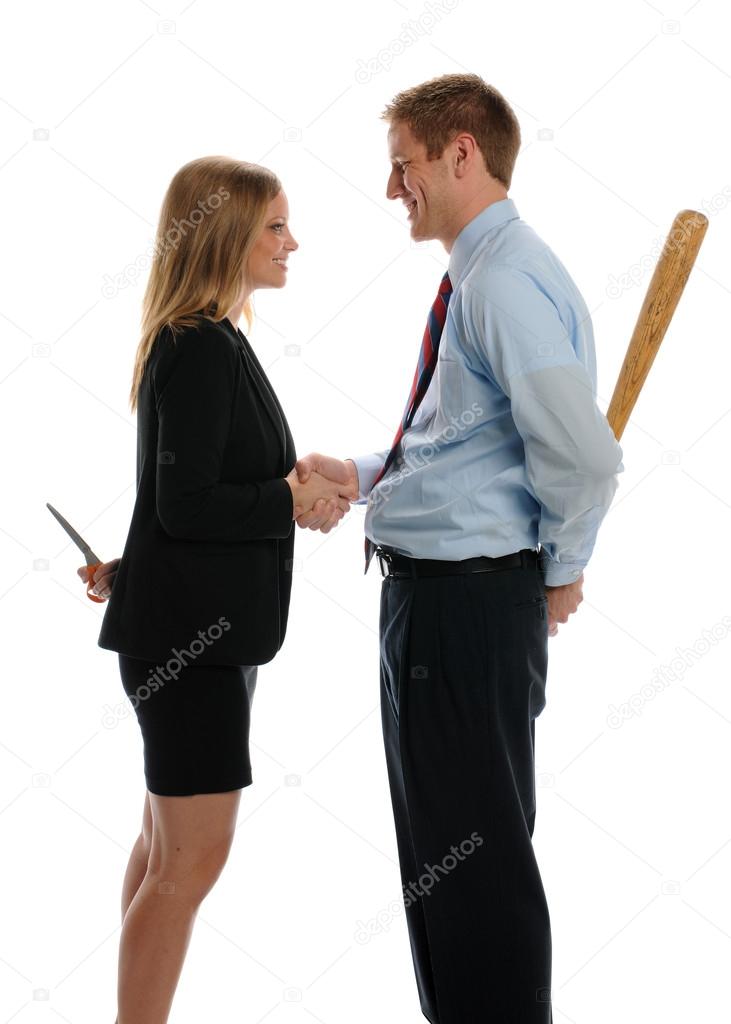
188, 873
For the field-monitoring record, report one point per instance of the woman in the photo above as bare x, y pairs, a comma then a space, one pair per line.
200, 596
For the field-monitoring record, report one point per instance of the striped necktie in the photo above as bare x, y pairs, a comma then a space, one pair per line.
422, 377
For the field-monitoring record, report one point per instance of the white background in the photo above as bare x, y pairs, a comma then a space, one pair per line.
624, 115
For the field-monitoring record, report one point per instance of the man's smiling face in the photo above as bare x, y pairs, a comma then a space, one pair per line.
420, 184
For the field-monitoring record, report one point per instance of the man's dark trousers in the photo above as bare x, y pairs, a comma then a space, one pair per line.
463, 675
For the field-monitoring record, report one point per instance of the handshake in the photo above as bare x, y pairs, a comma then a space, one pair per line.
322, 490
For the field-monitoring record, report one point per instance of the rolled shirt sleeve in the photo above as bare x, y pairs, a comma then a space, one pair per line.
195, 383
571, 454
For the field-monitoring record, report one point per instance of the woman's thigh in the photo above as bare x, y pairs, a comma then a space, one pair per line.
192, 838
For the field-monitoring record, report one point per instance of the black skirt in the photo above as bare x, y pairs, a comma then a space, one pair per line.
194, 721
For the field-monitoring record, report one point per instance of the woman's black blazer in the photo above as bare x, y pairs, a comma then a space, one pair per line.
206, 571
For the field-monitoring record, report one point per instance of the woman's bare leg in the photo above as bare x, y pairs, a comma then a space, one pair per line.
191, 840
138, 860
137, 867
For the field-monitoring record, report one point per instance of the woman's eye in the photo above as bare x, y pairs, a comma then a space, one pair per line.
277, 227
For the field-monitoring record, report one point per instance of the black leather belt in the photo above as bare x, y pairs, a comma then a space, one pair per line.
397, 566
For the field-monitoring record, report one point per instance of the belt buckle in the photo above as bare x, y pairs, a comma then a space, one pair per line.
383, 562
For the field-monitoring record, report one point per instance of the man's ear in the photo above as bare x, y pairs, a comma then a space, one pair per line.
465, 151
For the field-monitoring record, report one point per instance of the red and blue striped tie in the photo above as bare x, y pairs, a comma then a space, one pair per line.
422, 376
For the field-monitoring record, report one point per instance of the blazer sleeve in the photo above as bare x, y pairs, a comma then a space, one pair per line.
195, 384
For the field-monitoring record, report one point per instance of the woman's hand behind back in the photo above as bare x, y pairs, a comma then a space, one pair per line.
103, 577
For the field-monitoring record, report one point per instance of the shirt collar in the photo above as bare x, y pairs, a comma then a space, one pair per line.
466, 241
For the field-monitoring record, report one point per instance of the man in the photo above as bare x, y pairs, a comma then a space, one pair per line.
483, 516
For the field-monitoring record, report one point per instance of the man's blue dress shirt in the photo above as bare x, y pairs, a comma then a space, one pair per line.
508, 449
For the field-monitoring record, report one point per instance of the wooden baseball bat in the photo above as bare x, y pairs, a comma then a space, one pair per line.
664, 291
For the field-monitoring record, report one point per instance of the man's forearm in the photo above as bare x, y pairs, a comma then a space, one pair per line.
567, 543
572, 460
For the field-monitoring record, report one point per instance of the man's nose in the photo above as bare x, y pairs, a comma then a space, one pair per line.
394, 185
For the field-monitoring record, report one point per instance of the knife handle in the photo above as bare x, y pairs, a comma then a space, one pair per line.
90, 583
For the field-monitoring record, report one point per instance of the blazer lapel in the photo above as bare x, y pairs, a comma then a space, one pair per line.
267, 395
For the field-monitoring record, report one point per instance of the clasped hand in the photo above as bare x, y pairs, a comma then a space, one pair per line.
562, 602
322, 489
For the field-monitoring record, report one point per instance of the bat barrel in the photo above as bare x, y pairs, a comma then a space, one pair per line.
663, 294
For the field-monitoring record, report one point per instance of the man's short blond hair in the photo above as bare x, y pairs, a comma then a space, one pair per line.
438, 110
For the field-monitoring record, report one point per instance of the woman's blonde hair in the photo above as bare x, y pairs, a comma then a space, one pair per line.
212, 214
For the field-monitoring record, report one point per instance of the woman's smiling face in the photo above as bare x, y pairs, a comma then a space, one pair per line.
268, 259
